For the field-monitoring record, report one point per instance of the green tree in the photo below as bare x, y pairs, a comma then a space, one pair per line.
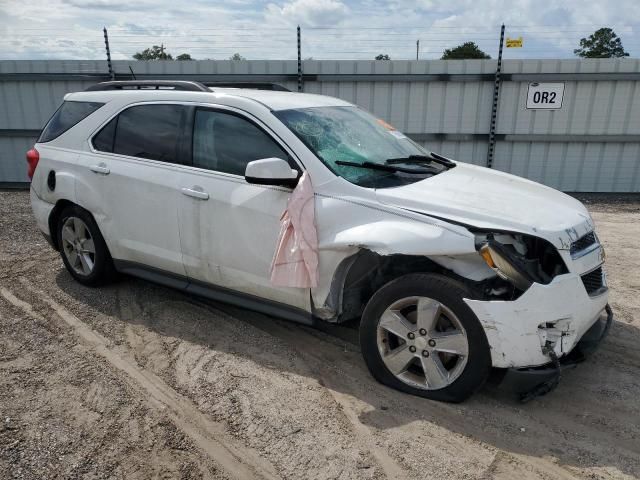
383, 56
159, 53
237, 57
464, 51
154, 53
603, 43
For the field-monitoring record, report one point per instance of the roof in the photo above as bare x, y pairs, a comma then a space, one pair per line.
274, 100
284, 100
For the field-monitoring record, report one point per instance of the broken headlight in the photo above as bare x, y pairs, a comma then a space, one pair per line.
521, 259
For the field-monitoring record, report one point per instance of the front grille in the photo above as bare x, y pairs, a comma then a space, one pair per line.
583, 242
593, 280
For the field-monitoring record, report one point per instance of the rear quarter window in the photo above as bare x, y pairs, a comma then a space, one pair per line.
153, 132
69, 114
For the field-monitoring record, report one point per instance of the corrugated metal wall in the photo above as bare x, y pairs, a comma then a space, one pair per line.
591, 144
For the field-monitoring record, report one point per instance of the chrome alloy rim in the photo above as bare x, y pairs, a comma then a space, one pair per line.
422, 342
78, 246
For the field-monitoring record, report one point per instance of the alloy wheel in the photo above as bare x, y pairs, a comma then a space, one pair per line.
422, 343
78, 246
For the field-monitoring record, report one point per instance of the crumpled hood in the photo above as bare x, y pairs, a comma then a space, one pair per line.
491, 199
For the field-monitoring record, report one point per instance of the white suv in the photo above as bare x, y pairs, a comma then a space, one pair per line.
452, 268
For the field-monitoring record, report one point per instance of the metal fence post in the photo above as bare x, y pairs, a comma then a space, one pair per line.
494, 107
299, 61
112, 74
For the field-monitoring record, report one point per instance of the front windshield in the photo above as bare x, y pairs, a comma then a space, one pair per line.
349, 134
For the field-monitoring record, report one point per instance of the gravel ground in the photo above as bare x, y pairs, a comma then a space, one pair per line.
139, 381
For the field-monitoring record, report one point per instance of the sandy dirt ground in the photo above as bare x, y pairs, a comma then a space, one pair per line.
138, 381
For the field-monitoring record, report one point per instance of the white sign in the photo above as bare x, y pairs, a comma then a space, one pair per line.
545, 96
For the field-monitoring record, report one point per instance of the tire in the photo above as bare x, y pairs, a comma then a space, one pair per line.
73, 224
391, 317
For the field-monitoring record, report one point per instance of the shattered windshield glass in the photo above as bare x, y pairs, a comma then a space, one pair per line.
356, 146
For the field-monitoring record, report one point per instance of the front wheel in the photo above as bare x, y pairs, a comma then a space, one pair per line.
419, 336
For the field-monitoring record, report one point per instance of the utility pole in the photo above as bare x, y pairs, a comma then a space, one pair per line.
494, 107
299, 61
161, 51
417, 49
112, 75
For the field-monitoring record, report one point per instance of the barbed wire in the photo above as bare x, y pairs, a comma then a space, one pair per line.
318, 42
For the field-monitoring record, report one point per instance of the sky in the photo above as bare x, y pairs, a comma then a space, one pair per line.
330, 29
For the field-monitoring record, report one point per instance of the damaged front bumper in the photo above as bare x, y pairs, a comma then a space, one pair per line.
548, 329
529, 383
546, 318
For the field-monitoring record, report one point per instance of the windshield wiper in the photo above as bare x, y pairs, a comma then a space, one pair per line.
383, 167
432, 158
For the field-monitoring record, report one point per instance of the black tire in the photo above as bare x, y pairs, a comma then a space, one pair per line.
103, 270
449, 293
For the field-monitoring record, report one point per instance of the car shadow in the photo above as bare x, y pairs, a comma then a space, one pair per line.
591, 420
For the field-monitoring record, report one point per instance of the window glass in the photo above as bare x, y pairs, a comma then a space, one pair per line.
103, 141
226, 142
339, 134
150, 131
68, 115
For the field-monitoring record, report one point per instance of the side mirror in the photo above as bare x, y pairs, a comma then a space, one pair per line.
271, 171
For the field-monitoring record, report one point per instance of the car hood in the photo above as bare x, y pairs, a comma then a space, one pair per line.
489, 199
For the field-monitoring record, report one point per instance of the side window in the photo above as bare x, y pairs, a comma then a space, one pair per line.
68, 115
103, 140
145, 131
226, 143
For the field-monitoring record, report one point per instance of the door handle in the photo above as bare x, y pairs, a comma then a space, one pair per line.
100, 168
195, 192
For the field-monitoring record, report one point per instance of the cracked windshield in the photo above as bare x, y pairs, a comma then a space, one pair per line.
358, 147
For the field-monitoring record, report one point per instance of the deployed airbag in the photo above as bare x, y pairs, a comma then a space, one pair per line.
295, 262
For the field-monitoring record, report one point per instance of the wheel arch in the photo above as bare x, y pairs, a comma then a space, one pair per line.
54, 217
360, 275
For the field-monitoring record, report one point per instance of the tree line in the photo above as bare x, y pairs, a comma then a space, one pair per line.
603, 43
157, 52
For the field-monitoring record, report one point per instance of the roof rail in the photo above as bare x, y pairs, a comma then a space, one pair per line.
250, 85
149, 85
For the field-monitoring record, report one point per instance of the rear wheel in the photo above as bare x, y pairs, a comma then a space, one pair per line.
82, 247
418, 335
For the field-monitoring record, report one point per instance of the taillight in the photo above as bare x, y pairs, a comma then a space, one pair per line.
32, 160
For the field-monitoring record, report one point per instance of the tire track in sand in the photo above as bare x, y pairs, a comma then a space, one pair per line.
505, 465
364, 435
211, 437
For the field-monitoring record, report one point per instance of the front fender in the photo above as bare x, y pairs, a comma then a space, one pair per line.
385, 231
404, 237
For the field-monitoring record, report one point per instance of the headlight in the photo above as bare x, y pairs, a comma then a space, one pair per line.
505, 264
520, 259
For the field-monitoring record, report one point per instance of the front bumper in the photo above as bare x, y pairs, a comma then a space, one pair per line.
556, 316
530, 382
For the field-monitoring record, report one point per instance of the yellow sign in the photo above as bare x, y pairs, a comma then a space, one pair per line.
514, 42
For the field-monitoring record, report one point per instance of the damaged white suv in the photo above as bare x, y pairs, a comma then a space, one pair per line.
452, 268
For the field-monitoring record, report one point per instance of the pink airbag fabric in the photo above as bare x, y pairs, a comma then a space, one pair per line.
295, 262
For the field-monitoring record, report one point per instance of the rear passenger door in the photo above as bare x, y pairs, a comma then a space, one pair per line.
130, 184
229, 228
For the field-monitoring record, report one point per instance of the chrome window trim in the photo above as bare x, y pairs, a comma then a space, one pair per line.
276, 138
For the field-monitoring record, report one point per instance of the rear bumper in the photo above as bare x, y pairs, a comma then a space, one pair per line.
525, 380
41, 212
49, 240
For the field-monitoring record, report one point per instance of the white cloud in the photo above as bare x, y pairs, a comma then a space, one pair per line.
265, 29
308, 12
